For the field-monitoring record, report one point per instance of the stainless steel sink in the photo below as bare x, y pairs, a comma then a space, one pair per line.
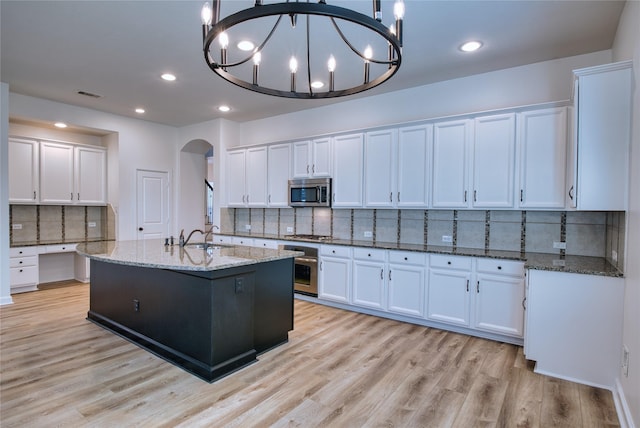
207, 246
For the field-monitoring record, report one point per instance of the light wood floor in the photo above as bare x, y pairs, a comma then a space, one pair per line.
339, 369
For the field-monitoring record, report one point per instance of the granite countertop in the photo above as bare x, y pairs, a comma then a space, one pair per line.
539, 261
153, 253
53, 242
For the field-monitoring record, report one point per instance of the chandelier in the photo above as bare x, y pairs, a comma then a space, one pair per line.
338, 51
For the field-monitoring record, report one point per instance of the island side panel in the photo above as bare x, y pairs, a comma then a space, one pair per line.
273, 303
204, 325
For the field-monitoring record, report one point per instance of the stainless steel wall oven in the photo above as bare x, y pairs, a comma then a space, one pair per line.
305, 270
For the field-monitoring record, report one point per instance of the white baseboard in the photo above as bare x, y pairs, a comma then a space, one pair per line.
622, 407
6, 300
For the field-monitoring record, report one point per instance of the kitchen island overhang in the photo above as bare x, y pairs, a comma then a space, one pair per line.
210, 312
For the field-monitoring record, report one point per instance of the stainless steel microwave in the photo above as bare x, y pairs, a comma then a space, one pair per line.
310, 192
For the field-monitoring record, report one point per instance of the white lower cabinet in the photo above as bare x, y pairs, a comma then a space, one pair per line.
23, 266
406, 283
369, 279
499, 299
448, 291
335, 273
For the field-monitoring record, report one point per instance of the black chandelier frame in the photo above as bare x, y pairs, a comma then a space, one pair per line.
292, 10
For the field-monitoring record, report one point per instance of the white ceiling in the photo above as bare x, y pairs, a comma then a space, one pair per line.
118, 49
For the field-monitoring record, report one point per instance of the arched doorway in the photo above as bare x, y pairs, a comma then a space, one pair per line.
195, 186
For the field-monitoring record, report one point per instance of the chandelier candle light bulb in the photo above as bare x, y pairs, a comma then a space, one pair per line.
398, 12
368, 54
331, 65
257, 57
293, 66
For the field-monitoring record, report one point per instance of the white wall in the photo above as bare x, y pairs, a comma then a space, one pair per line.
531, 84
627, 46
141, 145
5, 290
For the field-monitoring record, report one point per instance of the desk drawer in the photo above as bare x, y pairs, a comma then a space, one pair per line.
62, 248
23, 261
23, 251
24, 275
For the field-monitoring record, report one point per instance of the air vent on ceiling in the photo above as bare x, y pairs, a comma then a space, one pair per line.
89, 94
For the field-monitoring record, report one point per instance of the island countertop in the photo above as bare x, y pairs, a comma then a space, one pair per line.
154, 254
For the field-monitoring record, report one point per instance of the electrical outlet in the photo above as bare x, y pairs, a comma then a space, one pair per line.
368, 234
625, 361
447, 238
92, 224
247, 227
560, 245
289, 229
614, 256
16, 226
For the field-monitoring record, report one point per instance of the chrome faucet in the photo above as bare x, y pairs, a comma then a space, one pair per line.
210, 232
183, 241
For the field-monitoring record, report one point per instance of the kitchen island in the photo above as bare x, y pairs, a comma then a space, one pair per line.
208, 309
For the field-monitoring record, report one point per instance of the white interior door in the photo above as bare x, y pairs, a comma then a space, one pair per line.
152, 204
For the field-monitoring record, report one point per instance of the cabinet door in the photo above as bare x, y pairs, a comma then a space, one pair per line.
379, 168
278, 170
414, 166
494, 146
301, 159
91, 175
256, 176
347, 171
321, 159
448, 296
335, 279
236, 196
604, 130
23, 171
56, 173
406, 290
543, 139
369, 284
499, 304
450, 176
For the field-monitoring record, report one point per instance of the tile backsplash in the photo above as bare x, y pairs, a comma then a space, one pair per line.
586, 233
46, 224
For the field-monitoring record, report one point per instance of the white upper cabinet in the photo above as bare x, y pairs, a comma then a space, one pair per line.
414, 166
542, 143
23, 171
56, 173
90, 175
380, 167
493, 161
397, 166
602, 99
450, 152
279, 172
256, 173
236, 196
312, 158
247, 177
347, 171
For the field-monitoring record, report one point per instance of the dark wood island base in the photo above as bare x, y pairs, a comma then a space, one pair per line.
209, 323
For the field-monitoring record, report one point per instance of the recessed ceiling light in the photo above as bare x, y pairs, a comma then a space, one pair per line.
60, 125
245, 45
471, 46
224, 109
168, 77
317, 84
140, 110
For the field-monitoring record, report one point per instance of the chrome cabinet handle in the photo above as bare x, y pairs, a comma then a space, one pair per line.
478, 287
390, 196
389, 274
307, 169
398, 196
521, 195
72, 196
269, 200
570, 193
475, 198
465, 196
467, 285
34, 195
381, 273
313, 168
524, 303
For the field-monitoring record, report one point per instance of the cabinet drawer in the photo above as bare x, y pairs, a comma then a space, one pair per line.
335, 250
62, 248
408, 258
238, 240
24, 275
369, 254
451, 262
15, 262
265, 243
23, 251
502, 267
221, 239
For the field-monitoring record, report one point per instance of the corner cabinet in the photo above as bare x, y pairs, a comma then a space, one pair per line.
600, 150
24, 171
347, 171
